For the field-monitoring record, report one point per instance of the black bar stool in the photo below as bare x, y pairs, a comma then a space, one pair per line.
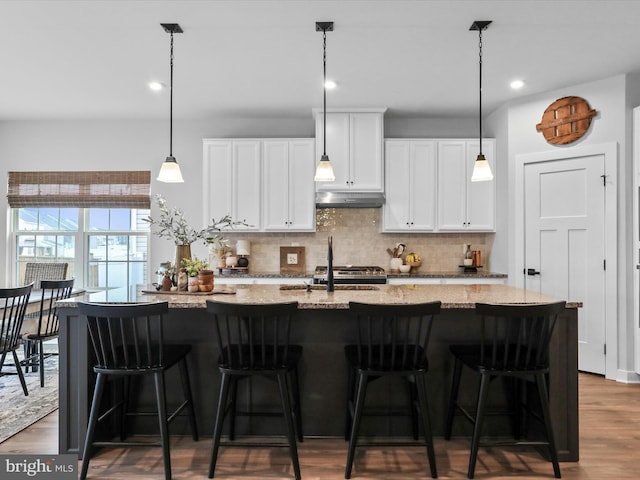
13, 306
47, 326
254, 341
392, 341
514, 342
128, 341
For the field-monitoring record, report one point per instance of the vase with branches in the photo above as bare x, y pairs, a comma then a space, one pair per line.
172, 224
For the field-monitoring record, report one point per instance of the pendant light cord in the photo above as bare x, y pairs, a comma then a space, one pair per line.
324, 91
171, 99
480, 83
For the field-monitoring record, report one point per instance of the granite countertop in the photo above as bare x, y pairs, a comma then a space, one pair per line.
451, 296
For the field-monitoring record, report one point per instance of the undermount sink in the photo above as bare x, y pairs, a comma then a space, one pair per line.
324, 287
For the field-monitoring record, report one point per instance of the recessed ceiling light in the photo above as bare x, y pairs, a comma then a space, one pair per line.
156, 86
329, 84
516, 84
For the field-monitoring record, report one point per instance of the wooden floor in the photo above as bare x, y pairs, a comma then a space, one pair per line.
609, 449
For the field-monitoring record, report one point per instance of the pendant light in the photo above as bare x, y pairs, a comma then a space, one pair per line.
324, 171
481, 168
170, 170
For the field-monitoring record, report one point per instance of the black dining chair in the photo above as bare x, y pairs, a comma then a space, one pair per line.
513, 343
392, 341
13, 306
128, 341
253, 340
46, 327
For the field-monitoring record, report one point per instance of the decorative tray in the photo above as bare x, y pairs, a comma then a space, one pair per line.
222, 291
470, 268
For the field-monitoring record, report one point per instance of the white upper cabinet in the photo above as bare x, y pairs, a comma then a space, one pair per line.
232, 181
410, 186
288, 186
268, 183
464, 205
355, 149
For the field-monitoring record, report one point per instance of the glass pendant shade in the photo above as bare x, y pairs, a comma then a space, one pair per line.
481, 170
170, 171
324, 171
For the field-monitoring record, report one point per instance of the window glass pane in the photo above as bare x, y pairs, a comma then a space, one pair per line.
97, 247
49, 219
120, 219
27, 219
98, 219
117, 274
26, 246
118, 247
138, 274
138, 245
69, 219
137, 223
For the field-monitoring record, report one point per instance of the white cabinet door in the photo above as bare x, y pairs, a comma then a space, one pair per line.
337, 139
246, 183
354, 146
410, 186
452, 185
396, 208
289, 197
464, 205
276, 185
232, 181
365, 166
302, 200
218, 168
422, 184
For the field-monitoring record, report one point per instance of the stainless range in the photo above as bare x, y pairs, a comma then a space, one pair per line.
351, 274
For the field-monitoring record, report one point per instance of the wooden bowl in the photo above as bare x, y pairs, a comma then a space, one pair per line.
415, 265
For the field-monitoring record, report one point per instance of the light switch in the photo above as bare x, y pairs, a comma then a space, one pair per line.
292, 258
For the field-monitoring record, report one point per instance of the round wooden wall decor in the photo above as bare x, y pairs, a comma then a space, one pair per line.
566, 120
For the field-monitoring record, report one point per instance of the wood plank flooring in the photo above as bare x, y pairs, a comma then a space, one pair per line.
609, 448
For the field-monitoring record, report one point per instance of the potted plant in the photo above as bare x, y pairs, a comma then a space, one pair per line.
200, 277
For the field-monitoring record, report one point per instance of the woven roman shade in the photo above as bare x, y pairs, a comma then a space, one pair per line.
80, 189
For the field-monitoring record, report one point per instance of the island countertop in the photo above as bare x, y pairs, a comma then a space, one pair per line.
452, 296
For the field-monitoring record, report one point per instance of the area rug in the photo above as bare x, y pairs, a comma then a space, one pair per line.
17, 412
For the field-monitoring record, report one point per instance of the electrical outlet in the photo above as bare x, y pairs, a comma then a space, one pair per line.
292, 258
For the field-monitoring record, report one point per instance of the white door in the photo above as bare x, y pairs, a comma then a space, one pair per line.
564, 203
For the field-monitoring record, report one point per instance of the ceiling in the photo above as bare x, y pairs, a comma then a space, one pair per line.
242, 58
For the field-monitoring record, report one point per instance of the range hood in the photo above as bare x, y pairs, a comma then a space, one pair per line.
349, 199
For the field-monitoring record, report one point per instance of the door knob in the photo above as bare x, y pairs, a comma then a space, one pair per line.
532, 271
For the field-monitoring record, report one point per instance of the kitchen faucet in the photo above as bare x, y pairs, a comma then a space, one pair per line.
330, 265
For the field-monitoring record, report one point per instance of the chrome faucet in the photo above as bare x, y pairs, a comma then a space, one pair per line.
330, 265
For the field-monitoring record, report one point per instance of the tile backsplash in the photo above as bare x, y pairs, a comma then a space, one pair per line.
358, 240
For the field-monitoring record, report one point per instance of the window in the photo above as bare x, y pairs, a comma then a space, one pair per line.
91, 220
111, 242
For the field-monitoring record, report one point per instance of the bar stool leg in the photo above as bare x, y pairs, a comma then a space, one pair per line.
453, 399
426, 423
186, 388
217, 427
475, 440
91, 427
541, 383
286, 407
161, 400
361, 389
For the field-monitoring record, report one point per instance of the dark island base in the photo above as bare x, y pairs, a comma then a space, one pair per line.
323, 334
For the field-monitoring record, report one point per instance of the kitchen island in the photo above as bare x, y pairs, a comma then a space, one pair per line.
323, 328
